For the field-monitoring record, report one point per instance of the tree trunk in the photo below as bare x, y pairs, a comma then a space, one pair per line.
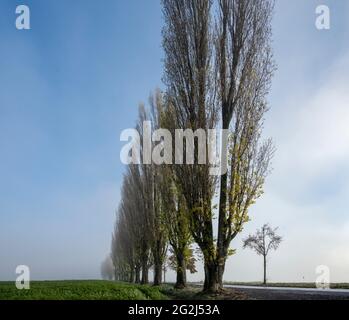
116, 275
265, 270
211, 278
145, 272
132, 275
181, 282
206, 277
157, 274
138, 275
222, 223
221, 269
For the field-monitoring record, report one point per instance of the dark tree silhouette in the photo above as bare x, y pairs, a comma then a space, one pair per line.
262, 242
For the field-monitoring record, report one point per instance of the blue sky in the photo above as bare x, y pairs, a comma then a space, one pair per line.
72, 83
69, 86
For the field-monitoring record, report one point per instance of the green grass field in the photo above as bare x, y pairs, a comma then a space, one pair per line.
107, 290
80, 290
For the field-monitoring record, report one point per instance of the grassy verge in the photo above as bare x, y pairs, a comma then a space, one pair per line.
107, 290
80, 290
195, 293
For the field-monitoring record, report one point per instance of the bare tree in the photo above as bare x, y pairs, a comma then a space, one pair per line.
123, 250
140, 237
158, 227
245, 67
134, 209
263, 242
119, 253
107, 269
176, 217
177, 224
218, 67
189, 78
227, 68
130, 249
145, 189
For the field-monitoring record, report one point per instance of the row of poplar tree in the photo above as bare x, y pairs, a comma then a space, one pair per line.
218, 68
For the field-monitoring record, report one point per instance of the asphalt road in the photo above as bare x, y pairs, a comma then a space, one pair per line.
273, 293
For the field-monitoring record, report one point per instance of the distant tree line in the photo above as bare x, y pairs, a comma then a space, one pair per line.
152, 216
218, 69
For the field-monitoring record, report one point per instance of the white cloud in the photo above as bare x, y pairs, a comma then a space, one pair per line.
319, 133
